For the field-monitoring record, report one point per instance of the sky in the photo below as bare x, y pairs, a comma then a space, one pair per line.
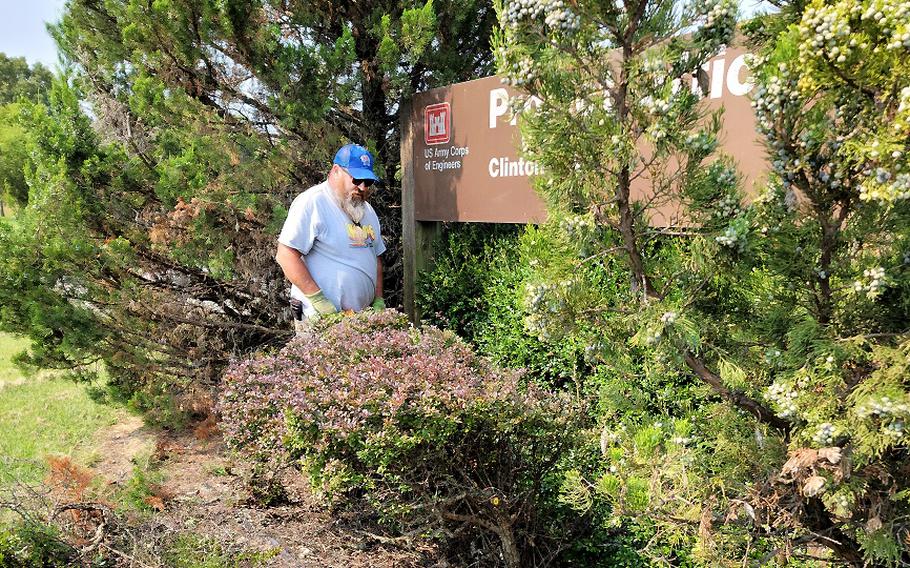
22, 31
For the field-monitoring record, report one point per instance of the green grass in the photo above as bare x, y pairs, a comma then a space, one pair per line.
43, 415
193, 551
9, 346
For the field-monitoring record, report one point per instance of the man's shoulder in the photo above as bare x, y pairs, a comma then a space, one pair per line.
310, 195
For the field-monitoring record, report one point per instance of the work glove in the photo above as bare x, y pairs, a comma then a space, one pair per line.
320, 303
378, 305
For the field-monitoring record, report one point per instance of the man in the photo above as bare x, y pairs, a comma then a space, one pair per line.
330, 244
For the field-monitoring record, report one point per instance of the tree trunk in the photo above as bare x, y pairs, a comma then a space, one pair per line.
840, 543
510, 552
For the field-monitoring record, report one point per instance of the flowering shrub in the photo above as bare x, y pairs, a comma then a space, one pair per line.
433, 435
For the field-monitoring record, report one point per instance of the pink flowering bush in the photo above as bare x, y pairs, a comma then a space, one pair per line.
435, 438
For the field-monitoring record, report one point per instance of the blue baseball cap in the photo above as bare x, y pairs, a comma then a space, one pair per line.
356, 160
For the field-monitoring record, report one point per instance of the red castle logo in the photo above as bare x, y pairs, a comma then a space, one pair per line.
437, 123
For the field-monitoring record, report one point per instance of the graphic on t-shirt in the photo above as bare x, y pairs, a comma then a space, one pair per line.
361, 236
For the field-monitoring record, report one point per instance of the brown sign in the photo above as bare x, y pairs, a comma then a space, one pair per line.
465, 148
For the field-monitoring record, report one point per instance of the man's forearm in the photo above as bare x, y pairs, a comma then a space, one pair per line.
378, 293
295, 269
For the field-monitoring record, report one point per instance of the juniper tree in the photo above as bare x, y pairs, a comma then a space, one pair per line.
834, 106
166, 158
752, 359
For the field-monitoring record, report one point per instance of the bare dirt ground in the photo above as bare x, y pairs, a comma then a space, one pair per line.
204, 494
120, 445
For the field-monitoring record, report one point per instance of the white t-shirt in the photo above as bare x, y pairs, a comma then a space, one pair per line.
340, 254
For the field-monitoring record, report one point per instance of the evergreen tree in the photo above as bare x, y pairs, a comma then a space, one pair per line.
166, 159
752, 357
834, 106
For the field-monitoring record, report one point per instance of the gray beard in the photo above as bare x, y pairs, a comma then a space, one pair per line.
354, 211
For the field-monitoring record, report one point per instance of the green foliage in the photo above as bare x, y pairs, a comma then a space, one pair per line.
840, 144
476, 288
13, 157
28, 545
193, 551
19, 81
755, 356
142, 491
430, 434
418, 27
161, 165
155, 401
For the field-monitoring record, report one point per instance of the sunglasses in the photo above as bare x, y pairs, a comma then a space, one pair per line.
358, 181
